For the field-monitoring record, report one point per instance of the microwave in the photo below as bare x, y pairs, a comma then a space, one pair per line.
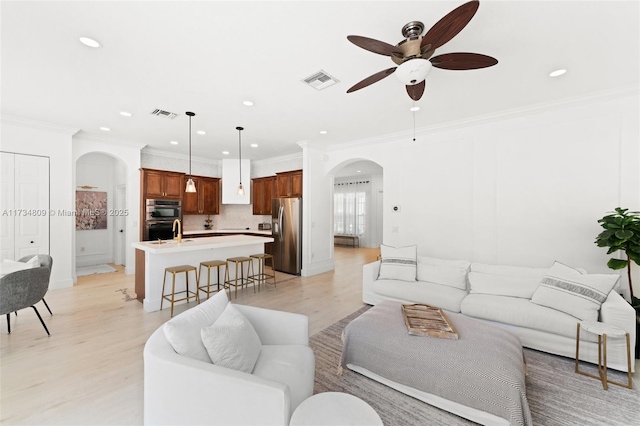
163, 210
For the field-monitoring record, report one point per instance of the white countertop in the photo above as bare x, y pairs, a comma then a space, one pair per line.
203, 243
228, 231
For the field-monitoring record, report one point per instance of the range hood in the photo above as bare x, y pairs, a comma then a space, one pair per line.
231, 180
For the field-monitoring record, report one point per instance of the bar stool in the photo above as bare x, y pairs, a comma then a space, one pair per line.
172, 296
211, 264
239, 278
261, 277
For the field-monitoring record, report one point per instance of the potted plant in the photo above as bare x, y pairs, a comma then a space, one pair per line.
622, 232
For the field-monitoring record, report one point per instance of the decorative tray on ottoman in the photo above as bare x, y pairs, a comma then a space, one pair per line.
425, 320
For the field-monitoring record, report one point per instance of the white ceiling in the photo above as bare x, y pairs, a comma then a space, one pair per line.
209, 56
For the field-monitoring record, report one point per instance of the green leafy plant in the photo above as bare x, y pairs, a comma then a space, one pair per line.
622, 232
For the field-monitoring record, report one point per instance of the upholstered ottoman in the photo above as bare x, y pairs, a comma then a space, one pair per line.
480, 376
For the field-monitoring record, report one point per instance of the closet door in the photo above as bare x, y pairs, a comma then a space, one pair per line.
7, 240
32, 205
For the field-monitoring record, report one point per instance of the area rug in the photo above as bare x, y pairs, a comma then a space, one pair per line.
83, 271
557, 396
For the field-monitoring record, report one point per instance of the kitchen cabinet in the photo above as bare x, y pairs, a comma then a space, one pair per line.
206, 199
162, 184
289, 184
262, 193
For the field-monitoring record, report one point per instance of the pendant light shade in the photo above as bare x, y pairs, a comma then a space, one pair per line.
191, 186
240, 187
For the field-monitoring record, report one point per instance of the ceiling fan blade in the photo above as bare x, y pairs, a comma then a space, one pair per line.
372, 79
462, 61
415, 92
450, 25
375, 46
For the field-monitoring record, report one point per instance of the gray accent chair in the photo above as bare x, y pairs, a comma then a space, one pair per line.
45, 260
23, 289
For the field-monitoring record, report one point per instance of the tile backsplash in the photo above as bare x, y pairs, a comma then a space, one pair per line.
231, 216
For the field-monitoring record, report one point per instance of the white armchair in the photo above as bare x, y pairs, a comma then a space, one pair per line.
182, 391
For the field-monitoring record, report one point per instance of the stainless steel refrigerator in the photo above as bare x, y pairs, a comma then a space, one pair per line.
286, 215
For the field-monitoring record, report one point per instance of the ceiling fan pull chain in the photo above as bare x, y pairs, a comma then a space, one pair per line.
414, 121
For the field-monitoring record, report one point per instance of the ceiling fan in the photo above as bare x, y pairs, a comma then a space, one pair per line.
414, 55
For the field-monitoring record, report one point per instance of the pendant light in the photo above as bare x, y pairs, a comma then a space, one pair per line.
240, 187
191, 186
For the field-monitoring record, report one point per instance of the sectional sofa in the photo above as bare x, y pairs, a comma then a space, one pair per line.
513, 297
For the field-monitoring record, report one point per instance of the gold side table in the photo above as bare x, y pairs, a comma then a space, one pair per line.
603, 331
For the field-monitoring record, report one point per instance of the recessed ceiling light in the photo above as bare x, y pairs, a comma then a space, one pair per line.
358, 171
414, 109
202, 132
105, 129
247, 103
89, 42
323, 132
125, 114
254, 145
173, 142
557, 73
225, 152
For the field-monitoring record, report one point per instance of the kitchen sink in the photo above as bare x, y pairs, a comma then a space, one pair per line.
169, 241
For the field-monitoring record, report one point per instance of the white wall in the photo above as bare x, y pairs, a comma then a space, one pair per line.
26, 137
521, 189
126, 170
317, 212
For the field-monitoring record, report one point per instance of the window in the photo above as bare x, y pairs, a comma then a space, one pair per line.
350, 208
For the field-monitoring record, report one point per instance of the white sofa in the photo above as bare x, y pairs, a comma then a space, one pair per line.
502, 294
180, 390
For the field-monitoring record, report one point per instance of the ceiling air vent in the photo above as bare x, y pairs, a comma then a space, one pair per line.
163, 113
320, 80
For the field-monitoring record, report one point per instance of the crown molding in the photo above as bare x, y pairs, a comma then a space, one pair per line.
288, 157
564, 103
167, 154
14, 120
89, 137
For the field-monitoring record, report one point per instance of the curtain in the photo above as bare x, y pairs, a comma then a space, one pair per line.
350, 209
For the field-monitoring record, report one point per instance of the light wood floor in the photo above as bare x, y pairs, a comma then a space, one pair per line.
90, 371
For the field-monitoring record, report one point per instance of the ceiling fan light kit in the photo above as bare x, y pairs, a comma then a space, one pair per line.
413, 71
414, 55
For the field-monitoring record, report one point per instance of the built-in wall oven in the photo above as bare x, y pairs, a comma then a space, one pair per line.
159, 217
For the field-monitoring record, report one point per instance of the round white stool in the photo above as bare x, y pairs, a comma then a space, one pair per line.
603, 331
334, 409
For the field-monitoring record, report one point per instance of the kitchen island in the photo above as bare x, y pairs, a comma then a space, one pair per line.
153, 257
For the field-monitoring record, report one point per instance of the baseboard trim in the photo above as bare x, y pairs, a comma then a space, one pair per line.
318, 268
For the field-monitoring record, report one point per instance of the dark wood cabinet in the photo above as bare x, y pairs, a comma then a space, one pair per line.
289, 184
206, 199
162, 184
262, 192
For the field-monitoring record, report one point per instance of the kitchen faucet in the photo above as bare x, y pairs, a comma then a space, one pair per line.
179, 237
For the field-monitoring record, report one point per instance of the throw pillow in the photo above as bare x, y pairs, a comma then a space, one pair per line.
231, 341
504, 280
568, 290
398, 263
33, 262
183, 331
452, 273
